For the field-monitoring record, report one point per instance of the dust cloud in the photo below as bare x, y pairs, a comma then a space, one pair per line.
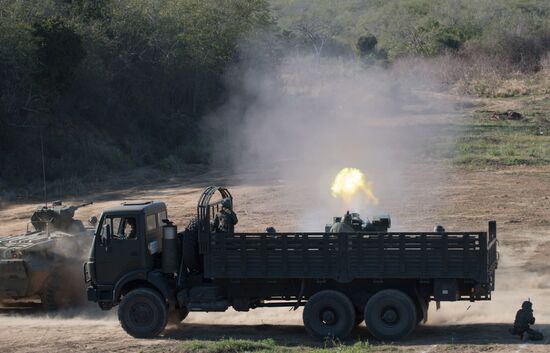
303, 120
513, 286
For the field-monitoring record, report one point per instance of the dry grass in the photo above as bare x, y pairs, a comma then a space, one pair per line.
231, 345
494, 85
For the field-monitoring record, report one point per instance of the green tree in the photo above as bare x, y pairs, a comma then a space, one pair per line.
59, 52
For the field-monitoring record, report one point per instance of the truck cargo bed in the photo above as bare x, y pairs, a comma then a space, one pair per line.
347, 256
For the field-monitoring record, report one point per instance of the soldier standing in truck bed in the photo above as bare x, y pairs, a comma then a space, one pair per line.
225, 218
524, 318
344, 226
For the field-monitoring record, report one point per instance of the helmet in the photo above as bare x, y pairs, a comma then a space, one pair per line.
92, 220
270, 230
527, 305
226, 202
439, 229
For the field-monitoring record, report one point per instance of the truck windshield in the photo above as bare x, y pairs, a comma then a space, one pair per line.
121, 227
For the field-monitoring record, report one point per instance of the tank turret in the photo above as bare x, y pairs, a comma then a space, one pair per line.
57, 217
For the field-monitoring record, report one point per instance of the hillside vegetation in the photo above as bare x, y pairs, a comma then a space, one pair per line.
111, 85
107, 86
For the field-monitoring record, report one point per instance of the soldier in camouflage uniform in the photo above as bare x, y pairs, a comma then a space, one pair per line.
524, 318
225, 218
344, 226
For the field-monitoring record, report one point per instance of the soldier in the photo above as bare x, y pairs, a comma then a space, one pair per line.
439, 229
225, 218
130, 228
92, 220
356, 222
344, 226
524, 318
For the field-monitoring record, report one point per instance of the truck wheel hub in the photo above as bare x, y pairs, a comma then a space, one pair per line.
390, 316
141, 314
328, 317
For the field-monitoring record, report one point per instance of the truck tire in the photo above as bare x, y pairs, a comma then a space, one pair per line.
143, 313
390, 315
190, 251
329, 314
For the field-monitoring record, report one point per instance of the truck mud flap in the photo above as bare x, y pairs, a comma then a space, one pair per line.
14, 281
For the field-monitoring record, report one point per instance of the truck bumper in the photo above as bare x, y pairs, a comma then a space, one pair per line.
100, 294
92, 294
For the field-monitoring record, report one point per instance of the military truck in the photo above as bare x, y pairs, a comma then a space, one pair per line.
386, 279
44, 265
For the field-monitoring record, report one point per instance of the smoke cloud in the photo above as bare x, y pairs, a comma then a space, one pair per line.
306, 118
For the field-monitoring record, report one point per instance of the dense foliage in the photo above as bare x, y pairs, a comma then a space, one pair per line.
515, 31
108, 85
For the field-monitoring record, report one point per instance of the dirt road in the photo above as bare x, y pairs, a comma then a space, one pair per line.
518, 198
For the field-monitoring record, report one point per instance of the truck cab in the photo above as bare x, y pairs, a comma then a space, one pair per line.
126, 247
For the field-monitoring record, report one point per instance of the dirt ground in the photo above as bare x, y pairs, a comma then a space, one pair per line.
517, 198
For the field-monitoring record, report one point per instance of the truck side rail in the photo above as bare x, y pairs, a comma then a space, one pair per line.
347, 256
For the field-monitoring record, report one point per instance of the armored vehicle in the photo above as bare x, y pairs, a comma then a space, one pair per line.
44, 266
57, 217
386, 279
380, 223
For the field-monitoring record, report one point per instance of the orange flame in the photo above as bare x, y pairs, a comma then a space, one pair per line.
349, 181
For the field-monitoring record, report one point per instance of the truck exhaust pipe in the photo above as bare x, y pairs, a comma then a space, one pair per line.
170, 248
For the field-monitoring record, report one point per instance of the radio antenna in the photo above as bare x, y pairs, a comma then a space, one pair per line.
43, 168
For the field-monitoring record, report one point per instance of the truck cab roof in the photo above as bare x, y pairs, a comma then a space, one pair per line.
138, 207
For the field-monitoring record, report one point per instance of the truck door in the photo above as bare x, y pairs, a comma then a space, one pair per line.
153, 233
118, 250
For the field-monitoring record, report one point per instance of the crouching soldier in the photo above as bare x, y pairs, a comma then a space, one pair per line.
524, 318
225, 218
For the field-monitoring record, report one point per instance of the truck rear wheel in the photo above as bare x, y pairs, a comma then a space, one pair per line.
143, 313
329, 313
390, 315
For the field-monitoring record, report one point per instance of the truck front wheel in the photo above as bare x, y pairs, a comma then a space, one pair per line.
142, 313
390, 315
329, 314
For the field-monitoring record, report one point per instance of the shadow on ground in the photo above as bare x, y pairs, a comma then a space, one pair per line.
294, 335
